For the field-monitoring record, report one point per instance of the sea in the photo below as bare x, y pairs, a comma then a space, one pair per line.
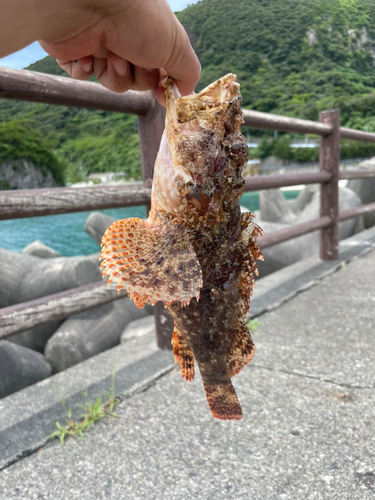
65, 232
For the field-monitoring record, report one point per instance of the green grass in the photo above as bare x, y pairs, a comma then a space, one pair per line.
92, 412
253, 324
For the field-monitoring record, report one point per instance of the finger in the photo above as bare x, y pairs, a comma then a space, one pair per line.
159, 91
145, 79
160, 96
101, 53
183, 64
80, 69
113, 73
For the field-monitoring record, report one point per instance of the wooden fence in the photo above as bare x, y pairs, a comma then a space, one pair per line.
38, 87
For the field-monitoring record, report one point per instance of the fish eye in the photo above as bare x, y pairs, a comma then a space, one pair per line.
237, 148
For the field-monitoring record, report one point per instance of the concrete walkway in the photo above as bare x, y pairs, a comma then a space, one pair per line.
308, 430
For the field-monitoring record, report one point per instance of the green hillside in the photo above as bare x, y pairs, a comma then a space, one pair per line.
81, 141
295, 57
292, 57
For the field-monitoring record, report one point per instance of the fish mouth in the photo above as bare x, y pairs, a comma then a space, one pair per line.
204, 105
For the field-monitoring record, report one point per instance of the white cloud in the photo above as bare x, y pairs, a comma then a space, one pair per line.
34, 52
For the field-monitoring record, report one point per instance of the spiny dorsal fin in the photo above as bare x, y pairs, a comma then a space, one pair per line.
250, 252
152, 262
249, 224
250, 232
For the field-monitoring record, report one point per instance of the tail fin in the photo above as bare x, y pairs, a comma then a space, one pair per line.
222, 400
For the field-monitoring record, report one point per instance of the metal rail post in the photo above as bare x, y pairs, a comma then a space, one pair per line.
151, 129
329, 159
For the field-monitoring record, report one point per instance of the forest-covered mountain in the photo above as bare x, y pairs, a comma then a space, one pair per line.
293, 57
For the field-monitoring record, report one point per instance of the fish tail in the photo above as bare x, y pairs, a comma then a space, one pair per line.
222, 400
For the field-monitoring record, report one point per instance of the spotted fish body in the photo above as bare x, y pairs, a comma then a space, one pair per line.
196, 252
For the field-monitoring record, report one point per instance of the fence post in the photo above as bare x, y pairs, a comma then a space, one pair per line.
329, 161
151, 129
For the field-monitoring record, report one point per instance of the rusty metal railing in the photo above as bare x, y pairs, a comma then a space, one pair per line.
38, 87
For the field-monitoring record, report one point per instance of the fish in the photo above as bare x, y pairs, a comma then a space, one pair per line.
196, 251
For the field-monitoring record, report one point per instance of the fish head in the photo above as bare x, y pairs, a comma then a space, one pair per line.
207, 148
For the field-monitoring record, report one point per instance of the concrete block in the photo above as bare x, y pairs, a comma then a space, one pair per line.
91, 332
39, 249
347, 200
97, 224
286, 253
26, 277
36, 338
365, 189
139, 328
280, 286
274, 207
305, 196
20, 367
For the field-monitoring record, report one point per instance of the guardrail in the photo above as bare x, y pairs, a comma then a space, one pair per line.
308, 165
38, 87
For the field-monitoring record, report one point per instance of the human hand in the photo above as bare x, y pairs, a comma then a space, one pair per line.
127, 44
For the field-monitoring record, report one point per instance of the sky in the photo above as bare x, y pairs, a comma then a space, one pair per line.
34, 52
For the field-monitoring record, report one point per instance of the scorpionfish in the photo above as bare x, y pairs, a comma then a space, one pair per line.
196, 252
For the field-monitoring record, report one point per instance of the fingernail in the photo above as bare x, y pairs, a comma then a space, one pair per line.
121, 67
87, 67
150, 70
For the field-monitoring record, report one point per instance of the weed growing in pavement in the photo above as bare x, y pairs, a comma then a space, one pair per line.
253, 324
91, 413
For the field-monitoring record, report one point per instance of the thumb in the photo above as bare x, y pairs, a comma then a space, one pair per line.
183, 65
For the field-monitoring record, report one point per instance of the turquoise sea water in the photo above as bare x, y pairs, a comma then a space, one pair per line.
65, 233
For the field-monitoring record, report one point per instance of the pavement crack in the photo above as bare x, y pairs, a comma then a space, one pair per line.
141, 387
146, 384
313, 377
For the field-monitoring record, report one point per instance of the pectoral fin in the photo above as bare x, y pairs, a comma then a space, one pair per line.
151, 261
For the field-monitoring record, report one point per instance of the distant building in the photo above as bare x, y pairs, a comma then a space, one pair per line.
106, 177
